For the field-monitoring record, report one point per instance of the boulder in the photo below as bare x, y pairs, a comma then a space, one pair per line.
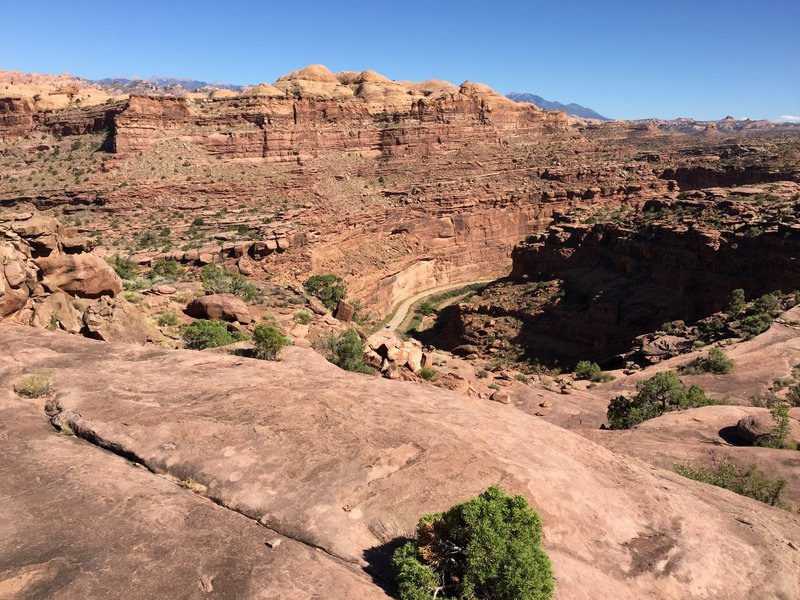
501, 397
226, 307
84, 275
117, 320
56, 311
758, 427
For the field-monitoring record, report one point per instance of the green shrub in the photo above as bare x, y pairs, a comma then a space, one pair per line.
124, 267
482, 374
268, 341
166, 270
522, 378
427, 374
329, 289
34, 385
756, 324
735, 302
711, 330
591, 371
217, 281
302, 316
168, 319
748, 482
486, 548
205, 333
346, 350
768, 303
662, 393
716, 362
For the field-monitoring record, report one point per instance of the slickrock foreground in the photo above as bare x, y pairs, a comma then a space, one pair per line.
336, 465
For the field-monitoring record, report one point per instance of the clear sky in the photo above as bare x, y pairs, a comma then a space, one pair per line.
626, 59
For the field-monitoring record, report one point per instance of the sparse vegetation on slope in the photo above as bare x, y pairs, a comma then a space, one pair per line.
748, 482
486, 548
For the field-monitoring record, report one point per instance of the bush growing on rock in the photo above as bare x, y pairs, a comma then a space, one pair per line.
427, 373
748, 482
486, 548
268, 341
165, 270
756, 324
205, 333
716, 362
735, 302
217, 281
124, 267
302, 316
768, 303
591, 371
329, 289
168, 318
664, 392
34, 385
346, 351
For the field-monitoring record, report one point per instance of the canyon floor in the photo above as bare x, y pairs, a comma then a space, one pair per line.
486, 247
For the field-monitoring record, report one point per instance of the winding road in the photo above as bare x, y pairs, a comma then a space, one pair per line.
405, 306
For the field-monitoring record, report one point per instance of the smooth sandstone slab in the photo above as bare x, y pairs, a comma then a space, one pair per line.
346, 463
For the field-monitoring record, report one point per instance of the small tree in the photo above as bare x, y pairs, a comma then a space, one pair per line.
591, 371
486, 548
735, 303
268, 341
329, 289
662, 393
781, 427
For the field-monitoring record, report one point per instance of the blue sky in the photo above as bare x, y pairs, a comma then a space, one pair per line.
704, 59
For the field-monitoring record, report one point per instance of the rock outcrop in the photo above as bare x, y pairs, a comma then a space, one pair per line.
40, 257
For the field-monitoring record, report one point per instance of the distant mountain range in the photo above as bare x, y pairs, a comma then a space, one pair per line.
163, 83
573, 109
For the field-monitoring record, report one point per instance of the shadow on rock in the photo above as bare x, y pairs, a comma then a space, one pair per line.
379, 564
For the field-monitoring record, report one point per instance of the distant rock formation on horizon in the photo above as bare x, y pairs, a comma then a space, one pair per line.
576, 110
